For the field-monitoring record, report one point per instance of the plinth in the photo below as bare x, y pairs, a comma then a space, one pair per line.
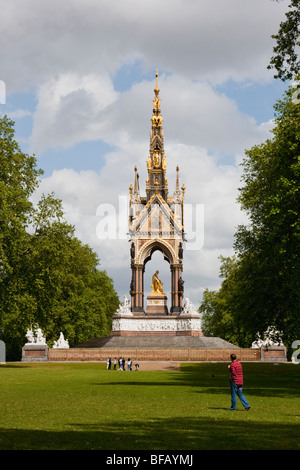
35, 352
157, 304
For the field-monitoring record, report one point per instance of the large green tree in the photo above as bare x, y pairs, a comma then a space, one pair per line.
262, 283
271, 197
47, 276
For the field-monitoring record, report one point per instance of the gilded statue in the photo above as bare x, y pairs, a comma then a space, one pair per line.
156, 105
157, 285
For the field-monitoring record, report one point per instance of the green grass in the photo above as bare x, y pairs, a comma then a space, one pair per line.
84, 406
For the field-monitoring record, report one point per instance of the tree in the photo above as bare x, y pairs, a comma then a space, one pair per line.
221, 310
262, 284
286, 58
47, 276
18, 180
271, 245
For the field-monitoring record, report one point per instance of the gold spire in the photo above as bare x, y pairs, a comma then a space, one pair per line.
156, 134
156, 89
156, 101
156, 162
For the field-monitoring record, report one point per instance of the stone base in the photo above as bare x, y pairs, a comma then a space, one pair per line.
156, 305
273, 354
156, 325
35, 353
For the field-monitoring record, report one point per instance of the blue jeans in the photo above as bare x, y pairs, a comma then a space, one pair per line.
236, 390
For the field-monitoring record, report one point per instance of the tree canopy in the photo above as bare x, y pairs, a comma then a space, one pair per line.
286, 52
261, 286
47, 276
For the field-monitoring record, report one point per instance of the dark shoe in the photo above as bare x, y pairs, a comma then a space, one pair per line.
248, 408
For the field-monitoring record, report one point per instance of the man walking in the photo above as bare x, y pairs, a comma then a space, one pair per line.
236, 381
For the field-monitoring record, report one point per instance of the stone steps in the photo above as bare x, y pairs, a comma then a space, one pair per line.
157, 342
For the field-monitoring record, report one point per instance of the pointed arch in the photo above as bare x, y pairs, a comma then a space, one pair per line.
153, 245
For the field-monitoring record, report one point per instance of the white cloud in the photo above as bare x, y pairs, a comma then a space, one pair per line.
68, 109
20, 113
207, 40
73, 108
69, 53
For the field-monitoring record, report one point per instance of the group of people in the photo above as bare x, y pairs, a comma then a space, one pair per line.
121, 363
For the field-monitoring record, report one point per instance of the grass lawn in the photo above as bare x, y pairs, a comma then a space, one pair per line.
84, 406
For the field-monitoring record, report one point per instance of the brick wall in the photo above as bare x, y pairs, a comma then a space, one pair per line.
189, 354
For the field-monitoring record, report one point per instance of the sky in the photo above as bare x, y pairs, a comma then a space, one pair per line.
77, 77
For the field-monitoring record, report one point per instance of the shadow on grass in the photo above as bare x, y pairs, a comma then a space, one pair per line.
14, 366
158, 434
264, 380
258, 380
217, 389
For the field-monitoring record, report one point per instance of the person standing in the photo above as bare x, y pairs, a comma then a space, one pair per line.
236, 382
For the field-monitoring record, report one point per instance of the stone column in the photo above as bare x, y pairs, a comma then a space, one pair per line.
176, 293
137, 289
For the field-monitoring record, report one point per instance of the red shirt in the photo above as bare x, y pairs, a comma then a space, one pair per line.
236, 372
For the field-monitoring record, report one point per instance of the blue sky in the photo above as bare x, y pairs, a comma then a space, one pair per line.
79, 82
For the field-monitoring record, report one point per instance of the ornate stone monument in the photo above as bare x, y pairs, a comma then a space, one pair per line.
271, 346
124, 308
156, 222
61, 343
36, 349
37, 338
